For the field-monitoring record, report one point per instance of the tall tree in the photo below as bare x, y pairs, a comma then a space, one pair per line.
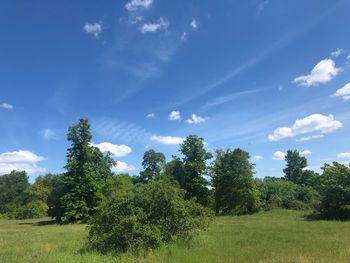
87, 170
295, 166
153, 164
233, 182
194, 169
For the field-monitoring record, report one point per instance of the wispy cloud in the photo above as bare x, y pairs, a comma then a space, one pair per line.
261, 6
168, 140
336, 53
94, 29
175, 116
6, 106
134, 5
150, 115
308, 138
194, 24
343, 92
229, 97
161, 24
48, 134
195, 119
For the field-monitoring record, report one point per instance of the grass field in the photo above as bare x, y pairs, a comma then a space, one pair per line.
276, 236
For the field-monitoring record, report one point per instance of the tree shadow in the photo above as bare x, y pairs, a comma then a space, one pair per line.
315, 216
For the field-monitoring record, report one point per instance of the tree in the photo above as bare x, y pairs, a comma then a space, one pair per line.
87, 170
295, 166
233, 182
13, 187
153, 164
194, 168
335, 191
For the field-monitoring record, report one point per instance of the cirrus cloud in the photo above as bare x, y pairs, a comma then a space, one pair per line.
313, 123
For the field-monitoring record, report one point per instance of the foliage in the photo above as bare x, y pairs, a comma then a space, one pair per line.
190, 171
87, 170
13, 187
33, 209
144, 218
232, 179
153, 164
276, 192
295, 166
335, 190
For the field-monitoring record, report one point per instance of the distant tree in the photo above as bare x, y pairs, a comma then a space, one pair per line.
335, 191
233, 182
153, 164
194, 168
87, 170
295, 166
13, 191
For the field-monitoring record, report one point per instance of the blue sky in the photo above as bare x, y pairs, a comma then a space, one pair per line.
263, 75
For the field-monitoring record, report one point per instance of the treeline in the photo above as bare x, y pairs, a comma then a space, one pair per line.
167, 200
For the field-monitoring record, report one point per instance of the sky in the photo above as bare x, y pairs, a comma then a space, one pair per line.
263, 75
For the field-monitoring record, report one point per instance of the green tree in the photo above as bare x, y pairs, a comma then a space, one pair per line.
335, 191
194, 168
153, 164
295, 166
87, 170
13, 191
233, 182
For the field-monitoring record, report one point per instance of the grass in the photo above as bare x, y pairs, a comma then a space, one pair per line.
276, 236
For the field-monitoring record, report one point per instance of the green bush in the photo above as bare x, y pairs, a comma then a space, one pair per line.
34, 209
278, 192
145, 217
335, 190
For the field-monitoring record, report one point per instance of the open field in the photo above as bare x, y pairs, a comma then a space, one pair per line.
276, 236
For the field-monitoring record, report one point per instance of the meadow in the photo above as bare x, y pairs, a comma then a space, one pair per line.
274, 236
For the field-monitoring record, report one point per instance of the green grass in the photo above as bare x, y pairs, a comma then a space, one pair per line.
276, 236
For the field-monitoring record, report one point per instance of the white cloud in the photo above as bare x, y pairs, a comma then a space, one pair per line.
308, 138
150, 115
136, 4
175, 115
261, 6
337, 52
93, 29
122, 167
343, 92
6, 106
114, 149
21, 160
194, 24
195, 119
161, 24
348, 57
345, 155
312, 123
169, 140
184, 36
279, 156
322, 73
48, 134
258, 157
305, 152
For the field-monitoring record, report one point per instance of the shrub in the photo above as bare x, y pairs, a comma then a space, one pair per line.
335, 190
34, 209
145, 217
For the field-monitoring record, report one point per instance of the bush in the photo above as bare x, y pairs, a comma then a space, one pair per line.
335, 190
285, 194
145, 218
34, 209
